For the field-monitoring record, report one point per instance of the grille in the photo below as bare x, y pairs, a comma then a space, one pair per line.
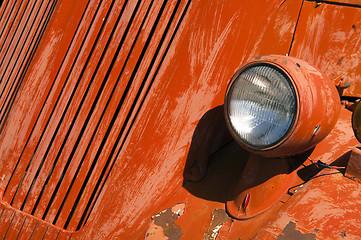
22, 23
93, 100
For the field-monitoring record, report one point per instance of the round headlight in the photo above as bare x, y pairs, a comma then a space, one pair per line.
280, 106
262, 105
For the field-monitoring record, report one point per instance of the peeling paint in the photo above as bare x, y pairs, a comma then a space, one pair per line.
219, 217
290, 232
163, 224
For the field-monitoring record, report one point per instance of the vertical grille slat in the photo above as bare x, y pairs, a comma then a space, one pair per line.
32, 45
101, 170
16, 224
117, 146
22, 45
88, 106
54, 149
24, 167
9, 22
28, 228
131, 82
81, 129
78, 153
12, 41
30, 151
3, 9
37, 132
16, 78
6, 219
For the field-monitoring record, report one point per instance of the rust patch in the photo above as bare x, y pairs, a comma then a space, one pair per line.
219, 217
163, 224
290, 232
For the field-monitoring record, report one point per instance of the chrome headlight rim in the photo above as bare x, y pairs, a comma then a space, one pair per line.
295, 92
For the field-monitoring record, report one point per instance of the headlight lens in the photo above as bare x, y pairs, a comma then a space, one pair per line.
261, 105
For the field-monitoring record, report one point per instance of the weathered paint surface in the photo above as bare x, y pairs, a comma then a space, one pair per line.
219, 217
65, 110
73, 101
163, 224
178, 99
290, 232
328, 37
328, 206
225, 169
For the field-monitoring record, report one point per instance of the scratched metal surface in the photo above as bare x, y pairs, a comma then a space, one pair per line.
110, 85
202, 198
327, 207
100, 106
328, 37
175, 108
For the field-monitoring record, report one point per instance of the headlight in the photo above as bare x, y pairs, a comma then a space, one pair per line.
262, 105
279, 106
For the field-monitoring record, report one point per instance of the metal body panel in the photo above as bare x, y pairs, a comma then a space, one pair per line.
328, 37
174, 108
225, 169
107, 104
310, 210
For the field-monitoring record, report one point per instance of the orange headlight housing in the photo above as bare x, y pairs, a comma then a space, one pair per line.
280, 106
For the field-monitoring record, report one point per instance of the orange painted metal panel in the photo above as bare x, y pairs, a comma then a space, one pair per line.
34, 76
6, 219
328, 37
96, 129
39, 231
7, 98
26, 37
22, 42
27, 228
329, 192
51, 233
78, 155
97, 173
63, 235
59, 126
81, 95
172, 109
44, 138
10, 14
95, 170
5, 13
16, 224
226, 165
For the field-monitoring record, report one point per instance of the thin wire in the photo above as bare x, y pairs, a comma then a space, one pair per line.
320, 165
